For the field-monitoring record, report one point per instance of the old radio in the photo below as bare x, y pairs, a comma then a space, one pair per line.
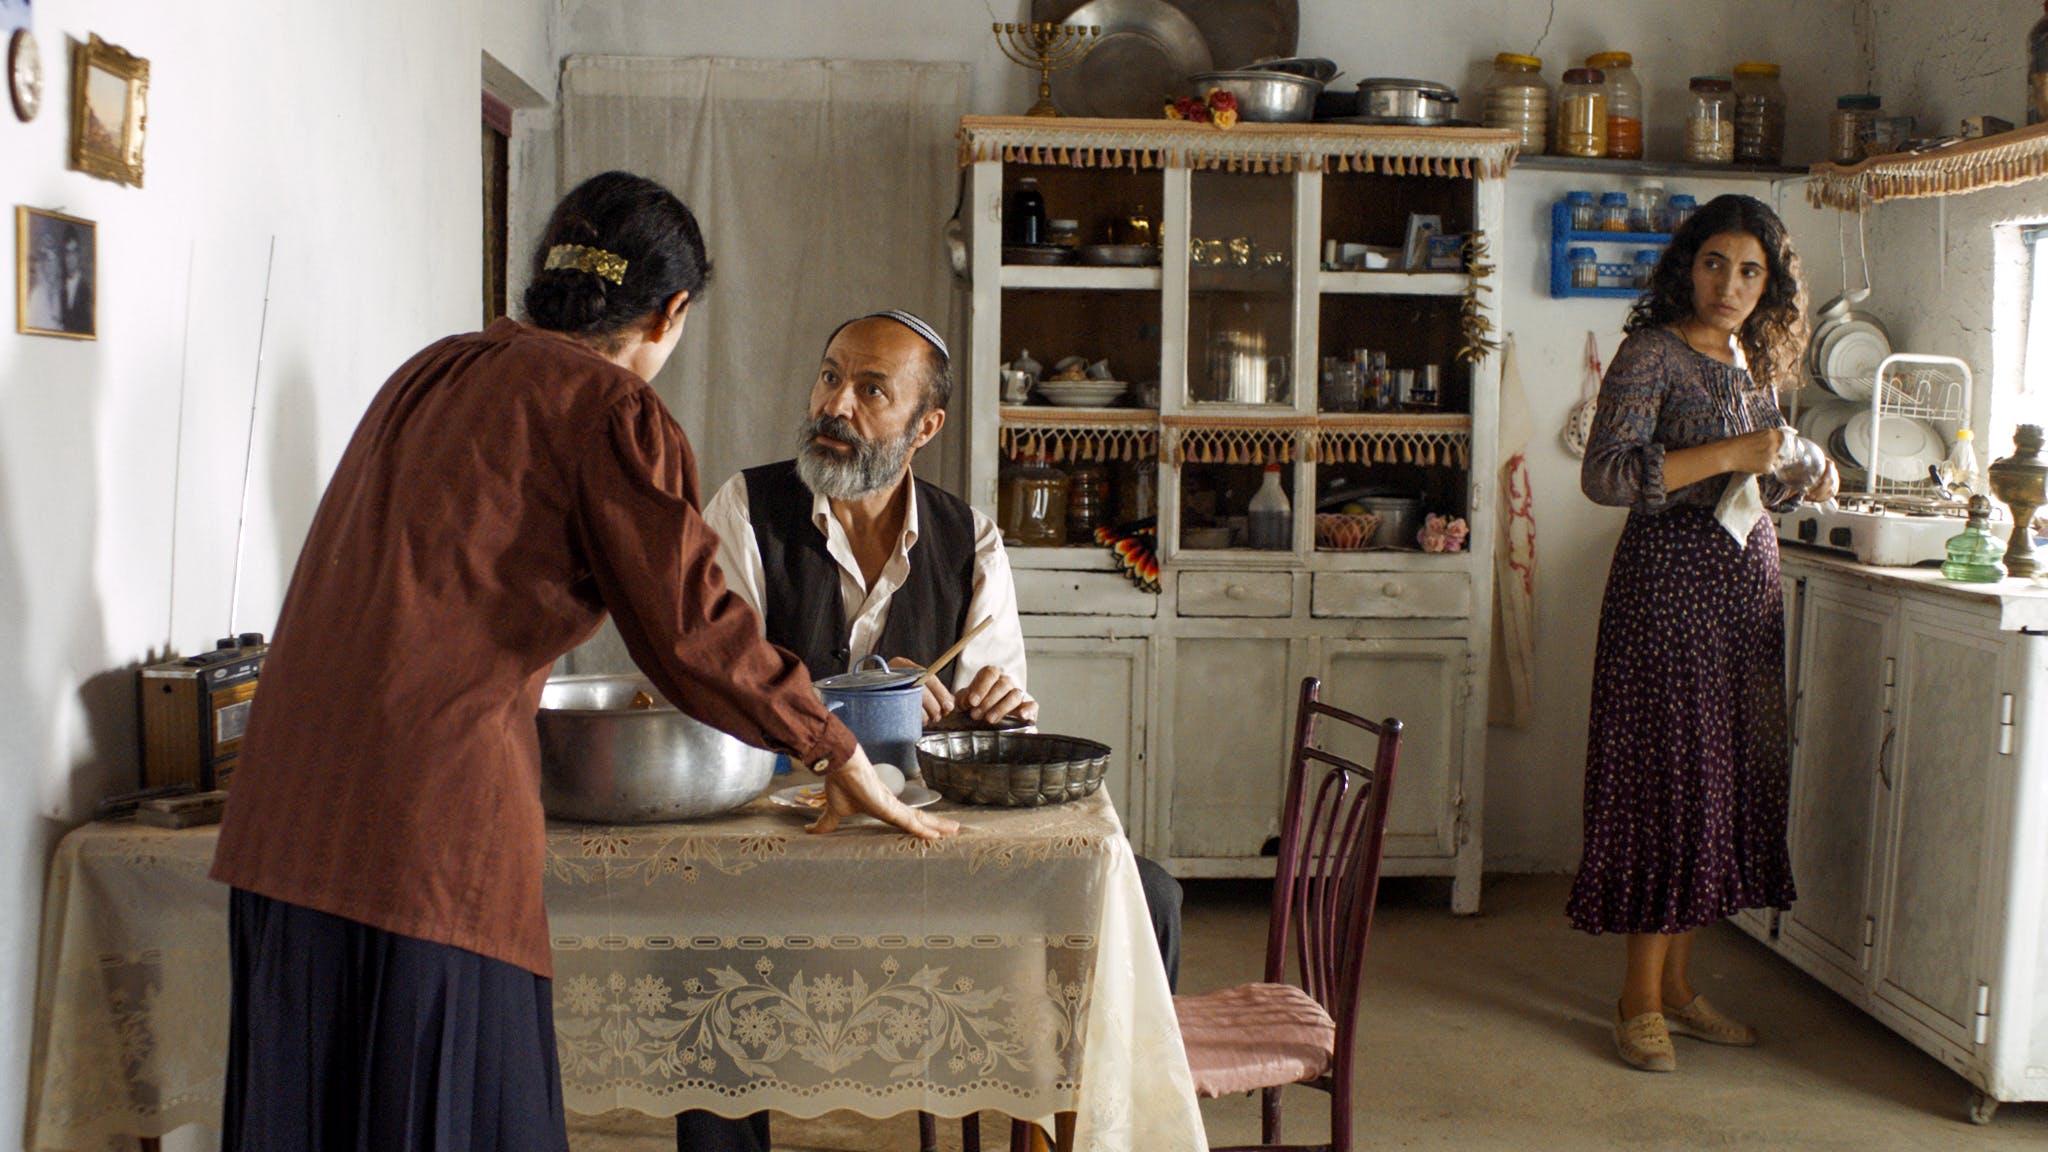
193, 712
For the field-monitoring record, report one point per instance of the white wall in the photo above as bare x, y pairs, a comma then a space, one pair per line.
1935, 261
350, 134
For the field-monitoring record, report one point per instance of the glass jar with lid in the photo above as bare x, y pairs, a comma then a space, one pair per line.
1033, 504
1644, 267
1088, 501
1585, 267
1759, 114
1585, 211
1581, 114
1646, 207
1849, 126
1710, 121
1517, 100
1614, 211
1678, 210
1624, 104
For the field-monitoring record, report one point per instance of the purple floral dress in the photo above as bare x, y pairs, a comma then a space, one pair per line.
1687, 757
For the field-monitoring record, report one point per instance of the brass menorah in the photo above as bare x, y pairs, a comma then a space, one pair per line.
1048, 48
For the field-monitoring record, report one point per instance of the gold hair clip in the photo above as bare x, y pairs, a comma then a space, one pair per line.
596, 261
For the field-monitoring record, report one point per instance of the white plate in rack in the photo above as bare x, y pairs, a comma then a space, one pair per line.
1907, 448
1849, 359
1082, 393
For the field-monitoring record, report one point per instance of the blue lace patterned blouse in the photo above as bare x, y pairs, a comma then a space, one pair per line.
1659, 395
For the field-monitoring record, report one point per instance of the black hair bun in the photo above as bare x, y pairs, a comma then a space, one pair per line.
566, 299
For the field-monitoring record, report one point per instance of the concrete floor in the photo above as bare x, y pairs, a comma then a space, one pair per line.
1492, 1032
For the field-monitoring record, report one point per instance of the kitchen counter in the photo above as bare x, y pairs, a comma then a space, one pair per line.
2021, 605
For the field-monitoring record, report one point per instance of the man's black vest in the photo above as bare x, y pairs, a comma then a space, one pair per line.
801, 594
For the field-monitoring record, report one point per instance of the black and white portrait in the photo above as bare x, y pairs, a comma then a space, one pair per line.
55, 274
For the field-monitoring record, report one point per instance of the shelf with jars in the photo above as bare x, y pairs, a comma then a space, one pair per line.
1309, 428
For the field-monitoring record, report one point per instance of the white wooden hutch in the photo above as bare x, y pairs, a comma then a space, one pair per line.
1194, 686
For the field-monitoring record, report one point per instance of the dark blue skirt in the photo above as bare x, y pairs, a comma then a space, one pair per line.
346, 1038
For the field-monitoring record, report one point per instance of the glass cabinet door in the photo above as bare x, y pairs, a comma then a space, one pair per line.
1240, 290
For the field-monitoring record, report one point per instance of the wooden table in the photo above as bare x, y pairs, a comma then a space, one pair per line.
733, 965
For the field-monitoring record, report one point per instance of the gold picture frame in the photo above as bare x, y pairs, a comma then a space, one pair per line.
56, 274
109, 108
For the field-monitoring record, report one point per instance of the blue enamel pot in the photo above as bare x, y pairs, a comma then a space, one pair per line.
883, 706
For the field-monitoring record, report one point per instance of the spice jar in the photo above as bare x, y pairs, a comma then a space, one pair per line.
1759, 114
1678, 210
1517, 100
1137, 491
1581, 114
1614, 212
1710, 121
1624, 104
1585, 267
1645, 266
1646, 207
1585, 211
1849, 126
1065, 233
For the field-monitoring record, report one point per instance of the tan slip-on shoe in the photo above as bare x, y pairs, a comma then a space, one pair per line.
1644, 1042
1702, 1021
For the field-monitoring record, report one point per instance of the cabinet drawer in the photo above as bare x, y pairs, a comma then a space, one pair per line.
1396, 594
1236, 594
1042, 592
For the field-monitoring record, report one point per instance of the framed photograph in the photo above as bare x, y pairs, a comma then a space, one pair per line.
56, 274
109, 91
1415, 251
1444, 252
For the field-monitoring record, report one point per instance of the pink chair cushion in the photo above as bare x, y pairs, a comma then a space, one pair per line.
1254, 1036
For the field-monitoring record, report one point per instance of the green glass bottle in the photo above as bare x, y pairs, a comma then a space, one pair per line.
1974, 555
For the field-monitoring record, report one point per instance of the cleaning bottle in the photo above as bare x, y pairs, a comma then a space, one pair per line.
1271, 521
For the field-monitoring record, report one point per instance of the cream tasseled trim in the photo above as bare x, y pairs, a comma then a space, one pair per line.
1468, 153
1993, 162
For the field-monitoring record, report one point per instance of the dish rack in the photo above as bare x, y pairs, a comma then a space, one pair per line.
1933, 390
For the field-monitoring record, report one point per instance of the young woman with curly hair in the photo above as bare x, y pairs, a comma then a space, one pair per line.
1687, 756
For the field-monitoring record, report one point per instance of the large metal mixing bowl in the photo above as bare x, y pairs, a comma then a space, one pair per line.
1263, 97
604, 761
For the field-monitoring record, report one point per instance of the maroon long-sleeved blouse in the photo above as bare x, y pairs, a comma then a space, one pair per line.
502, 492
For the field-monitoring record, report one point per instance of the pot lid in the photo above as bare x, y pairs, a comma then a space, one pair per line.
1314, 67
1431, 87
878, 678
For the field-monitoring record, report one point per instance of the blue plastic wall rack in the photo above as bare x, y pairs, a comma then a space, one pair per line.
1563, 238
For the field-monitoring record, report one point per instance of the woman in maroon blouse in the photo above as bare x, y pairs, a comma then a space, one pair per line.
1687, 756
384, 838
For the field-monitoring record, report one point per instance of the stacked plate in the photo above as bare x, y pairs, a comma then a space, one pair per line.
1845, 351
1081, 393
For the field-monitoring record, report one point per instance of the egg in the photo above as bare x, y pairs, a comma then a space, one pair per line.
891, 778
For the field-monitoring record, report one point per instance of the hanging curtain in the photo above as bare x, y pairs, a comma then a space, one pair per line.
821, 186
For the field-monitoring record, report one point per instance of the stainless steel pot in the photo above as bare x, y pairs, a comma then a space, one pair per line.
1264, 97
605, 761
1406, 99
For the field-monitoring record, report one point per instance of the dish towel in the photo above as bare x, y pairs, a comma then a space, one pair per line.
1741, 506
1512, 699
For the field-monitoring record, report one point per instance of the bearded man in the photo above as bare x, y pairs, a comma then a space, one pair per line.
842, 553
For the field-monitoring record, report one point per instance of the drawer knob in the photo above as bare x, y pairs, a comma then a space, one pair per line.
1236, 591
1393, 589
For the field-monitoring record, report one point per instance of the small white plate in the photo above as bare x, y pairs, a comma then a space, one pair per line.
1819, 422
1908, 447
797, 798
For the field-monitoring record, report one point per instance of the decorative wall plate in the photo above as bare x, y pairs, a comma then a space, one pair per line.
25, 73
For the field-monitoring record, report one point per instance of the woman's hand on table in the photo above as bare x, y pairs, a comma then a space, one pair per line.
853, 788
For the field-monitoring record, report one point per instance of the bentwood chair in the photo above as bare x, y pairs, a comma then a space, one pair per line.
1268, 1035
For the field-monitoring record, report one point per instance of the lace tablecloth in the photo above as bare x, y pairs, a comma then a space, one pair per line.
732, 965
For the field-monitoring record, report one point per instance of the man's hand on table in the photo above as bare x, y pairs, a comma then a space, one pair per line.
989, 697
853, 788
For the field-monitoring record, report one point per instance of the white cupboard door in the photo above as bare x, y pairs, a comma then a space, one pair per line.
1425, 685
1233, 712
1095, 688
1844, 644
1946, 775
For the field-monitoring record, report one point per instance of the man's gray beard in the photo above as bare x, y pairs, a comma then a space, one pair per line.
872, 466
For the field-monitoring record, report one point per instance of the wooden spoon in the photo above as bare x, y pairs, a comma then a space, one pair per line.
948, 654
